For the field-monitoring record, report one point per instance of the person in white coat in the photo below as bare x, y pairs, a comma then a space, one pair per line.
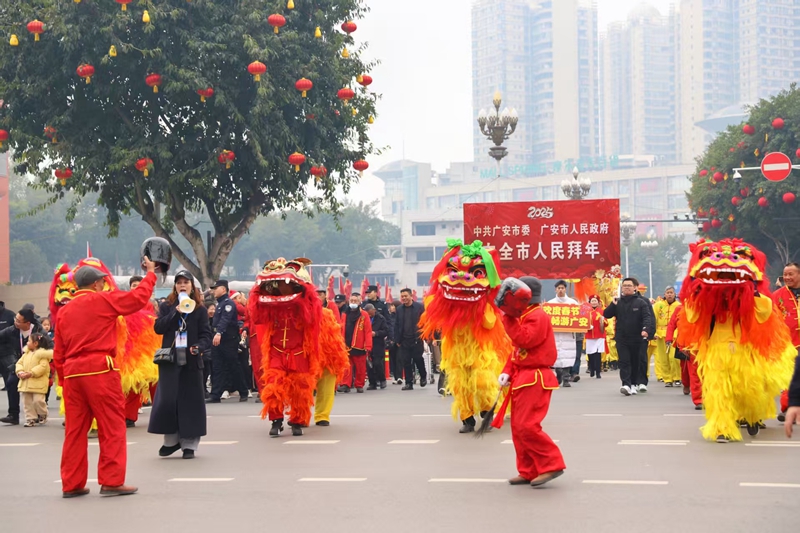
565, 342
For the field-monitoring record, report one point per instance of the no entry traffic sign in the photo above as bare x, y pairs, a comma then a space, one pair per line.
776, 166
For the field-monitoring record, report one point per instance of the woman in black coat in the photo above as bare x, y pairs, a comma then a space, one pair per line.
179, 408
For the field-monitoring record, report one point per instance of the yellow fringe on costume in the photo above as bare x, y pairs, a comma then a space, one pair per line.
332, 350
137, 343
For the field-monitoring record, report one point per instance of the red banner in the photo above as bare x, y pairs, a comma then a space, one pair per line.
549, 240
569, 318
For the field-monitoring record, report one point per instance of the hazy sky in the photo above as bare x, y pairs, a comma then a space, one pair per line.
425, 73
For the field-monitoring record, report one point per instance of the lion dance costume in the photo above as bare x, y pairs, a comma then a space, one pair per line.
302, 348
136, 341
742, 347
460, 305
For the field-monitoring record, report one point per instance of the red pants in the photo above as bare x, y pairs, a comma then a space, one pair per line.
359, 363
100, 397
784, 401
690, 377
536, 452
133, 402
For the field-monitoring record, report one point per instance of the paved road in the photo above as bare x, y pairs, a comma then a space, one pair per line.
445, 482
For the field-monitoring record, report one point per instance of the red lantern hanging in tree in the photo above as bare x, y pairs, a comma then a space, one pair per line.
349, 27
716, 223
124, 4
256, 68
205, 93
303, 85
736, 201
277, 22
153, 80
297, 159
144, 165
706, 226
745, 192
789, 198
36, 28
719, 176
63, 174
778, 123
226, 158
364, 80
319, 172
797, 153
50, 132
763, 202
747, 129
701, 213
361, 166
713, 212
86, 72
345, 95
703, 173
3, 137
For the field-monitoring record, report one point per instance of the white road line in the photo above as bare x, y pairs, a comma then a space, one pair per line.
778, 442
622, 482
219, 442
200, 479
774, 444
653, 442
427, 416
350, 416
288, 442
332, 479
465, 480
413, 441
772, 485
686, 415
19, 444
612, 414
253, 416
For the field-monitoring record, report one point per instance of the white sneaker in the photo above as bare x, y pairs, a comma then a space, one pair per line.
625, 390
642, 388
225, 395
249, 394
633, 390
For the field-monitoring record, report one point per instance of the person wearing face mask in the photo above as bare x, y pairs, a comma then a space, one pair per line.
357, 330
179, 409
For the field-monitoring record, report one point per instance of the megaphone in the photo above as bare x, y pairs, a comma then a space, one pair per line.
185, 303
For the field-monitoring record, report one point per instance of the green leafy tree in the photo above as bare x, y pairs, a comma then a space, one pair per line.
28, 263
771, 228
104, 127
668, 258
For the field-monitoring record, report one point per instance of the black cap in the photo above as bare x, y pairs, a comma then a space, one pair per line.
183, 273
372, 288
339, 298
220, 283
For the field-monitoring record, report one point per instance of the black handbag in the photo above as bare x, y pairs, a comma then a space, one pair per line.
165, 355
680, 355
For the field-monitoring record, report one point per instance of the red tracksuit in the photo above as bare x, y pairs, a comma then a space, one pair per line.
532, 384
689, 376
84, 357
787, 304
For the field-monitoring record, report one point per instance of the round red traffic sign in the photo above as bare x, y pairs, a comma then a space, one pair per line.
776, 166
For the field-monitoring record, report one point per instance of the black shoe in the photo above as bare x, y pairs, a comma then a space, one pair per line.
166, 451
297, 430
722, 439
343, 388
566, 383
213, 400
698, 407
781, 417
598, 376
405, 387
10, 420
423, 382
466, 428
323, 423
243, 398
752, 429
372, 387
361, 389
130, 423
188, 454
383, 384
277, 427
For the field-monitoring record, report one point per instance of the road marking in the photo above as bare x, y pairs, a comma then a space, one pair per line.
219, 442
427, 416
19, 444
254, 416
87, 481
774, 444
613, 414
333, 479
350, 416
686, 414
413, 441
772, 485
653, 442
311, 442
465, 480
200, 479
622, 482
512, 442
98, 444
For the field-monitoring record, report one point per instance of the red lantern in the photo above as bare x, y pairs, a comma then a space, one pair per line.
716, 223
763, 202
706, 226
226, 157
297, 159
277, 22
701, 213
361, 166
310, 116
349, 27
205, 93
365, 80
789, 198
345, 95
303, 85
747, 129
736, 201
703, 173
143, 165
732, 149
719, 176
153, 80
3, 137
124, 4
797, 153
744, 192
256, 68
713, 169
713, 212
778, 123
50, 133
86, 72
63, 174
36, 28
741, 144
319, 172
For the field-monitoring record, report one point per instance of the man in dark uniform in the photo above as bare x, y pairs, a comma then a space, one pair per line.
226, 368
372, 298
341, 304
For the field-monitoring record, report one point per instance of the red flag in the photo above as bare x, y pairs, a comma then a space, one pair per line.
364, 285
341, 285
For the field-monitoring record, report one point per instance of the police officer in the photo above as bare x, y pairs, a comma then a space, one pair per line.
225, 369
372, 298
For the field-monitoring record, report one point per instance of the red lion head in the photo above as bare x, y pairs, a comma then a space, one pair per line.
63, 287
285, 288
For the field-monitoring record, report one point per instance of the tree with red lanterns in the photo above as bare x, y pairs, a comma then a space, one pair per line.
142, 103
753, 208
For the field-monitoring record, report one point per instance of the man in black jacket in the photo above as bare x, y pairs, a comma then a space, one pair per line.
16, 337
408, 340
377, 359
793, 413
372, 298
6, 353
635, 324
225, 351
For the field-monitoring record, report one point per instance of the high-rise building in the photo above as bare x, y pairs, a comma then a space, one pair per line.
542, 56
638, 80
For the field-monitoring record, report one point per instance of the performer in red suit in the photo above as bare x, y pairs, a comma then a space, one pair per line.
531, 381
689, 376
84, 358
357, 332
786, 300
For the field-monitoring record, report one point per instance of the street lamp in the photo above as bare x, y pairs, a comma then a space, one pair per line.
576, 189
627, 229
498, 126
650, 246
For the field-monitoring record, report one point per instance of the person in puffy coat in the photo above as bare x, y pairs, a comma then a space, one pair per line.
33, 371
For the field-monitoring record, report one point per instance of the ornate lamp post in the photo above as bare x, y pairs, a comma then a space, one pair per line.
576, 189
498, 127
627, 229
650, 245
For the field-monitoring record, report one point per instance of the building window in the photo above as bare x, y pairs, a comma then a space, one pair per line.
425, 254
423, 229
